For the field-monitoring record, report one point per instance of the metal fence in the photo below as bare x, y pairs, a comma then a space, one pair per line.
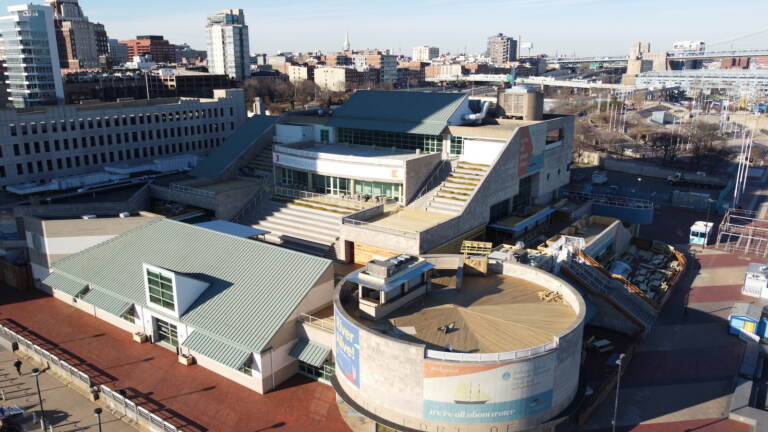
512, 355
68, 370
123, 406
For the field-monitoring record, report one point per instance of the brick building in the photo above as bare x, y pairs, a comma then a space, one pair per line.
160, 49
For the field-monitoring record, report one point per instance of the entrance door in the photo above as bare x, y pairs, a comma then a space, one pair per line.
166, 333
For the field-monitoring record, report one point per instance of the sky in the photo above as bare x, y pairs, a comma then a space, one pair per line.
583, 27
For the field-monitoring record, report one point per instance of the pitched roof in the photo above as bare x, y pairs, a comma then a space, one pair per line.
234, 146
310, 352
216, 349
398, 111
253, 286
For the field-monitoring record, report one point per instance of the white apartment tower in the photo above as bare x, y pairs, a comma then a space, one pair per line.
32, 59
425, 53
228, 51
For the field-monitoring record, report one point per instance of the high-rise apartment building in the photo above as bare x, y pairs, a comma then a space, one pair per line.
80, 42
228, 51
425, 53
33, 76
502, 49
118, 51
160, 49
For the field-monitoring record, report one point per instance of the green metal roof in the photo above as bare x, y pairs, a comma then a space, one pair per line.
64, 283
310, 352
216, 349
234, 146
253, 286
398, 111
106, 302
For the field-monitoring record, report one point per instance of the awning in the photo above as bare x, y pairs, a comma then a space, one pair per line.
216, 349
106, 302
64, 284
310, 352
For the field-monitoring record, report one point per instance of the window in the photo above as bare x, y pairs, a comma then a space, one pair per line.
247, 367
425, 143
457, 145
129, 315
160, 290
325, 136
554, 135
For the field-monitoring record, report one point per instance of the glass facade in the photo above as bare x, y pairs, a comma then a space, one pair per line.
457, 146
425, 143
322, 373
378, 189
330, 185
160, 290
167, 332
292, 178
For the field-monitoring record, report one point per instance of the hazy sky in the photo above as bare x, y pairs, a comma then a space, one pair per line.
586, 27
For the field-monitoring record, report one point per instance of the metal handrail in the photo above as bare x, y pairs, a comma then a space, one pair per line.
414, 235
193, 191
482, 357
313, 321
299, 194
428, 185
614, 200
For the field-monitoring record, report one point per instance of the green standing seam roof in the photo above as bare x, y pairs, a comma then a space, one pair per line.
216, 349
234, 146
310, 352
398, 111
64, 283
106, 302
253, 286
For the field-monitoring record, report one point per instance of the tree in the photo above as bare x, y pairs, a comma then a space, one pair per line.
703, 138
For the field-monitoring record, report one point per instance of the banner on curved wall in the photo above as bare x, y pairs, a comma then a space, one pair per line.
347, 349
477, 394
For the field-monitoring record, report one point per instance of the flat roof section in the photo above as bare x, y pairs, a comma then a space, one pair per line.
411, 219
490, 314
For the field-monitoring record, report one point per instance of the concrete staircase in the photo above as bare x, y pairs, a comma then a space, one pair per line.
303, 225
263, 160
454, 192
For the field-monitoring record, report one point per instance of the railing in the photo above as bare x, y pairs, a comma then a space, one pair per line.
134, 412
413, 235
330, 199
316, 322
613, 200
435, 178
252, 202
192, 191
44, 355
512, 355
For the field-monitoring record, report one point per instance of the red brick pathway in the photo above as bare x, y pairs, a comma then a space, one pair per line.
191, 397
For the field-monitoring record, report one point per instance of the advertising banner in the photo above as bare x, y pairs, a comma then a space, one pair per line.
347, 349
477, 394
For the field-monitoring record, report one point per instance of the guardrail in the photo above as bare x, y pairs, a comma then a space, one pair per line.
45, 356
413, 235
330, 199
192, 191
315, 322
436, 177
512, 355
124, 406
613, 200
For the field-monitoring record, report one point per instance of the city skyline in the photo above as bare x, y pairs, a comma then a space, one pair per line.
602, 27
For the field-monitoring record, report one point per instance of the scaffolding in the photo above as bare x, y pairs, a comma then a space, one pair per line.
743, 231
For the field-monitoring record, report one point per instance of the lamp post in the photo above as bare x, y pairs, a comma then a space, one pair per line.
97, 413
36, 374
618, 383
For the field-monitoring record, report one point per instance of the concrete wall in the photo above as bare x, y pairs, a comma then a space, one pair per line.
393, 374
417, 172
252, 382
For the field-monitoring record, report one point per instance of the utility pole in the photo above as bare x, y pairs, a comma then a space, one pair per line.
618, 385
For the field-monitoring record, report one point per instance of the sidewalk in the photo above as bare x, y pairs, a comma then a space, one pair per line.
65, 409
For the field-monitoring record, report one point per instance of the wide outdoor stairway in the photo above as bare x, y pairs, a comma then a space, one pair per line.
454, 193
301, 224
263, 160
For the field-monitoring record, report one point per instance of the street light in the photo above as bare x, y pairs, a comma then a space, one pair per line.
97, 413
36, 374
618, 382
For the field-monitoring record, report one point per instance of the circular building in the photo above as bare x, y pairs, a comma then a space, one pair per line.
422, 346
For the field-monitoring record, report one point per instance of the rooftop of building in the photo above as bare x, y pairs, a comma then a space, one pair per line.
489, 314
371, 153
252, 287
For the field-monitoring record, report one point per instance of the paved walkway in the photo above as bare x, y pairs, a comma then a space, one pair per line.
191, 397
65, 409
681, 376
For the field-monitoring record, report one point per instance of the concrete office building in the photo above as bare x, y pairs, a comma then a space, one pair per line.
228, 45
225, 302
80, 41
502, 49
386, 64
118, 51
68, 140
29, 36
455, 165
340, 78
425, 53
475, 353
157, 47
299, 73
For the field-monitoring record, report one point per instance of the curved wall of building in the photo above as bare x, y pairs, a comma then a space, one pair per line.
407, 385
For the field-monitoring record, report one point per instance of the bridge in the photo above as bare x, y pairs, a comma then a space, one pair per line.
582, 84
688, 55
491, 78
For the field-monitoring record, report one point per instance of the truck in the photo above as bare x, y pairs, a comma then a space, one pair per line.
699, 180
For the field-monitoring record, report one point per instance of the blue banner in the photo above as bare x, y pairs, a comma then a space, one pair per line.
347, 349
